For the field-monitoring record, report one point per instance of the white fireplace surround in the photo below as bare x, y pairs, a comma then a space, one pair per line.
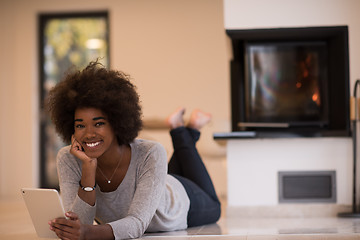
253, 164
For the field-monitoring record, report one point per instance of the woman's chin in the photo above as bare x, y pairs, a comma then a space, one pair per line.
93, 154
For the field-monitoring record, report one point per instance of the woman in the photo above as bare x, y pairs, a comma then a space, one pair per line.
108, 175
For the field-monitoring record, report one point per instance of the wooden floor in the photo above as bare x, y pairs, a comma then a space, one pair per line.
15, 223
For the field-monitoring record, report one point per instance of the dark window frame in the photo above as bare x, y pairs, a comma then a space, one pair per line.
43, 18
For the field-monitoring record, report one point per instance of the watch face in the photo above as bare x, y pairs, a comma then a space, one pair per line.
88, 189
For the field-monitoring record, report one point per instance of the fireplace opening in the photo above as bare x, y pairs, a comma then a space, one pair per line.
290, 81
286, 83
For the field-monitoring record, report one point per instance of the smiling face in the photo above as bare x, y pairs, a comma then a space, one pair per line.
93, 132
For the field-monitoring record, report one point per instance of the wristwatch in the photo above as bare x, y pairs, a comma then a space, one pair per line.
87, 189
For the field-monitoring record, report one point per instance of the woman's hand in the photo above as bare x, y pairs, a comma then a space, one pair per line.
70, 228
78, 151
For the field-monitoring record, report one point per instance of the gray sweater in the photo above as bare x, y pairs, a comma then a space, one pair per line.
148, 199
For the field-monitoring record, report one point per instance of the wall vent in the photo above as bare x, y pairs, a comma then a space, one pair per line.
307, 186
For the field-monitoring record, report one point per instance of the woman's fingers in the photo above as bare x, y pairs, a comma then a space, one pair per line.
75, 145
77, 150
67, 228
71, 215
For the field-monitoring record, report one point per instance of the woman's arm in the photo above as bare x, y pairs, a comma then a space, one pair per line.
70, 171
87, 180
88, 172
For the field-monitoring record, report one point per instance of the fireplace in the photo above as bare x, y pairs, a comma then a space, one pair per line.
290, 81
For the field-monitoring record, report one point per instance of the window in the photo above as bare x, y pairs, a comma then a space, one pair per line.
66, 40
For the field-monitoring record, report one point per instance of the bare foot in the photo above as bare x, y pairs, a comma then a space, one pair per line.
198, 119
175, 119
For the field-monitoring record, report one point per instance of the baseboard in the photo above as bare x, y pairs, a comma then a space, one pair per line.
288, 211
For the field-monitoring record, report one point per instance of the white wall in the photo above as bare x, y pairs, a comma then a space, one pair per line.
175, 51
253, 164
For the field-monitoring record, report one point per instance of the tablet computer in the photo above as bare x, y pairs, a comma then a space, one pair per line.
43, 205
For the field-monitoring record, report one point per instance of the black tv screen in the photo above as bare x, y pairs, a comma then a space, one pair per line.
286, 83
